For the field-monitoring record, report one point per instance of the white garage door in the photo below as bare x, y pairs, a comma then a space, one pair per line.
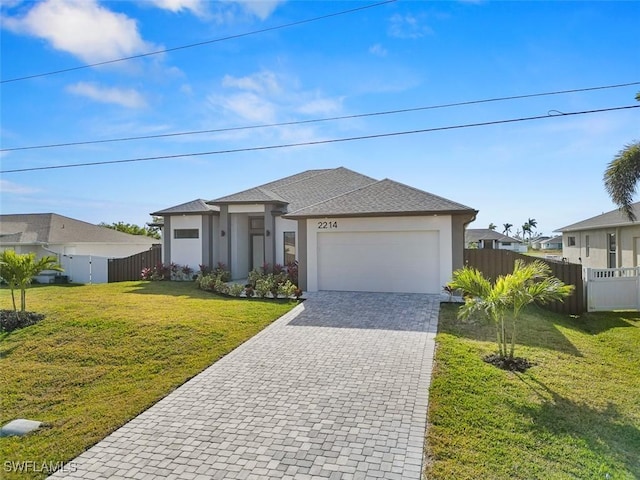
379, 261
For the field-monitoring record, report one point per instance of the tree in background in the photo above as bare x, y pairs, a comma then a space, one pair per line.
492, 226
132, 229
507, 228
622, 175
18, 271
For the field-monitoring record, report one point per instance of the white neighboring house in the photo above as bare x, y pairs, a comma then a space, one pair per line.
82, 248
345, 230
536, 243
609, 240
487, 238
553, 243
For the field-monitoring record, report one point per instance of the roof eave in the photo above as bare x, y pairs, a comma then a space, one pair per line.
381, 214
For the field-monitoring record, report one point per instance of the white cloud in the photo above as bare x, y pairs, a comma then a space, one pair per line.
378, 50
16, 189
247, 105
260, 8
126, 97
319, 106
197, 7
408, 26
83, 28
261, 82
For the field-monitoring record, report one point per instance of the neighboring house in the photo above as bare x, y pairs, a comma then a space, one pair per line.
536, 243
487, 238
609, 240
554, 243
70, 239
345, 230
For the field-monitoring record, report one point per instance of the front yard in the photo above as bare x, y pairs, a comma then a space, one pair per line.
105, 353
576, 414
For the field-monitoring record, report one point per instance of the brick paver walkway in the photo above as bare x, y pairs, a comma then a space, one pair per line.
336, 389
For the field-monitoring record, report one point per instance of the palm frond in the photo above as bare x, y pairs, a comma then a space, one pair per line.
621, 177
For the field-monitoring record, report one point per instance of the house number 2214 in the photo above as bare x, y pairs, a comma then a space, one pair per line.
327, 225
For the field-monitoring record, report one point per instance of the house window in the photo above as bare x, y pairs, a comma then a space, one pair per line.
186, 233
571, 241
612, 250
256, 223
289, 247
586, 245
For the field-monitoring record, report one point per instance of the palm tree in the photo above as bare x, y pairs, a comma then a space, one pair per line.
492, 226
526, 228
507, 228
621, 177
508, 295
18, 271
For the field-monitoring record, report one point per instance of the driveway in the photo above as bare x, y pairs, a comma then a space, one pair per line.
335, 389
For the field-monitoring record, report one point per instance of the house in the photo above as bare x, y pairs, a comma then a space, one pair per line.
345, 230
553, 243
609, 240
82, 248
487, 238
536, 242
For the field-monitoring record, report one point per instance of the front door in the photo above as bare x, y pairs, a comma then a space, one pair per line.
257, 251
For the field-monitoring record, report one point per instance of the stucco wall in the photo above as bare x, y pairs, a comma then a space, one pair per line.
284, 225
627, 252
186, 251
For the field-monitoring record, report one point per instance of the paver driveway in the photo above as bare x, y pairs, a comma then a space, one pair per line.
335, 389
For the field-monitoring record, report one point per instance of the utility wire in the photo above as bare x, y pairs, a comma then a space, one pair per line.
317, 120
322, 142
199, 44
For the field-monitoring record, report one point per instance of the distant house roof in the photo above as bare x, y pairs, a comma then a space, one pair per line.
556, 239
614, 218
193, 207
383, 197
51, 228
477, 234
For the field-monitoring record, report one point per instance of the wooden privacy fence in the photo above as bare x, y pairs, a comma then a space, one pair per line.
493, 263
129, 268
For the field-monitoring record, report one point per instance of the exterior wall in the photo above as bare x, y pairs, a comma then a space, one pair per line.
186, 251
285, 225
441, 224
458, 223
240, 250
627, 247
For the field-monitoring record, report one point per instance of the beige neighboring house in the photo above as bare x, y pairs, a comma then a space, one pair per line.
82, 248
609, 240
487, 238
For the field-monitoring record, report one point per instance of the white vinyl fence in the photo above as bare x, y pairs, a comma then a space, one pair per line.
85, 268
613, 289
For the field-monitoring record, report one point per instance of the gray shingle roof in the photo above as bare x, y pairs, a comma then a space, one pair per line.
303, 189
614, 218
194, 207
477, 234
51, 228
381, 198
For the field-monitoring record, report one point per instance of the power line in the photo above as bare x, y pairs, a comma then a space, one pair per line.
318, 120
199, 44
322, 142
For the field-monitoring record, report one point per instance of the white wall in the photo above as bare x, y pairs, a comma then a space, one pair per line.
284, 225
440, 224
239, 245
186, 251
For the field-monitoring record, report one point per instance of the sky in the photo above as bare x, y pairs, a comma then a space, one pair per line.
284, 68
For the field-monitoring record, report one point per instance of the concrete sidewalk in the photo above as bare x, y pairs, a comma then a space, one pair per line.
335, 389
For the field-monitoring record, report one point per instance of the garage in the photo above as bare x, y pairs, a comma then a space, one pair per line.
379, 261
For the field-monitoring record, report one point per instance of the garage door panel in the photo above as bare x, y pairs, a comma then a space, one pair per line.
379, 261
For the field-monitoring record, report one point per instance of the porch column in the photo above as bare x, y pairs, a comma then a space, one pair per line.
301, 250
269, 235
224, 235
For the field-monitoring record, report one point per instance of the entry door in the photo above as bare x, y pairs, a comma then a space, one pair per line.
257, 251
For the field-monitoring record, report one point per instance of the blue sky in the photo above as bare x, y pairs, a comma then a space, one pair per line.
400, 55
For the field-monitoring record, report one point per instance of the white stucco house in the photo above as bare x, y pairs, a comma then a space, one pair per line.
609, 240
346, 231
487, 238
82, 248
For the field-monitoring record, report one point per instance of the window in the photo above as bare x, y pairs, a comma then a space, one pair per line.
612, 250
289, 247
571, 241
586, 245
256, 223
186, 233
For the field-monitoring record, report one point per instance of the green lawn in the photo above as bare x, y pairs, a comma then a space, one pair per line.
575, 415
105, 353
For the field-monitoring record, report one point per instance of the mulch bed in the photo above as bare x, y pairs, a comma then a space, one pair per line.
515, 364
11, 320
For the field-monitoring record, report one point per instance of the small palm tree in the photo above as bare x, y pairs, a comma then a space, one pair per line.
503, 301
492, 226
18, 271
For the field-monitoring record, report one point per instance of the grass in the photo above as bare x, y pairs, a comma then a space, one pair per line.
105, 353
574, 415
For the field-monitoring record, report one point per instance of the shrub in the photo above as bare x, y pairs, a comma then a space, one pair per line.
264, 285
287, 289
236, 289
